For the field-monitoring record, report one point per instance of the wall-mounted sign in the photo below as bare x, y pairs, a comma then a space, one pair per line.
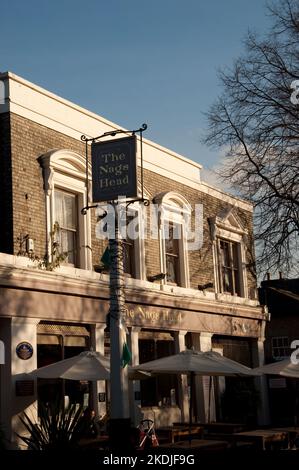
24, 350
102, 397
278, 383
151, 315
24, 388
114, 169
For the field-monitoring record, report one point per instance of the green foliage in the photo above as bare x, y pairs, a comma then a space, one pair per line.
56, 256
106, 258
49, 263
58, 428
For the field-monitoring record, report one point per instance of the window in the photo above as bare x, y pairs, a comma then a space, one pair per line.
64, 176
229, 267
280, 347
132, 232
163, 389
54, 343
129, 249
174, 213
172, 254
229, 253
67, 233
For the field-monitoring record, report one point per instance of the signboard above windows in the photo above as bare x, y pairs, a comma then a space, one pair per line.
114, 169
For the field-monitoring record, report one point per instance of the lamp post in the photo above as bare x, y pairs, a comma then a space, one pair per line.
119, 412
117, 156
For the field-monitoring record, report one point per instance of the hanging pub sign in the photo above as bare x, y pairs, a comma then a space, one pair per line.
114, 169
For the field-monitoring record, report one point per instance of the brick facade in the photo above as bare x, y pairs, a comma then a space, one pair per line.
24, 183
6, 233
33, 123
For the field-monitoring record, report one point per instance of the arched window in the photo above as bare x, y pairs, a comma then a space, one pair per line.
174, 212
64, 175
228, 236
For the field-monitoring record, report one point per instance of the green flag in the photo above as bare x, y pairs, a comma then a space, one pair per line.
127, 356
106, 258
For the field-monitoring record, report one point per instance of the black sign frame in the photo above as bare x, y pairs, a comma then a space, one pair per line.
114, 169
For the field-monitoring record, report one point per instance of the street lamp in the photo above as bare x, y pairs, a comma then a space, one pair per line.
106, 157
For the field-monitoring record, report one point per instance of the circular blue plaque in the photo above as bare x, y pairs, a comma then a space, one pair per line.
24, 350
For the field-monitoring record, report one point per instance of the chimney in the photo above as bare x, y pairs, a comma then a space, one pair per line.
280, 275
268, 276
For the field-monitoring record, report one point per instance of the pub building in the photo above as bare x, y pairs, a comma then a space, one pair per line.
55, 290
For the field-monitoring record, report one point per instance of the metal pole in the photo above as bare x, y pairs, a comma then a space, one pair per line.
119, 393
119, 412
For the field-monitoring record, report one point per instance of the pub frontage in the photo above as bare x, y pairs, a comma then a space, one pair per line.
55, 287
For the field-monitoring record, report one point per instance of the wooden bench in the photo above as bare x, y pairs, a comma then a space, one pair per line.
263, 438
201, 445
173, 433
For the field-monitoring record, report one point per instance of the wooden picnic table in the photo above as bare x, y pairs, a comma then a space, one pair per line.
292, 432
225, 428
197, 444
218, 427
177, 432
263, 438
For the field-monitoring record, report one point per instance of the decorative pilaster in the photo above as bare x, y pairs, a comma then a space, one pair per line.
261, 382
97, 342
22, 330
134, 385
204, 388
180, 345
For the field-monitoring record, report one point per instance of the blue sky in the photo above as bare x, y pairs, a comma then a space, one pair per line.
132, 61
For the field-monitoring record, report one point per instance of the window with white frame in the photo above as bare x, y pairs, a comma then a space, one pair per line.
133, 243
229, 266
132, 230
172, 253
67, 230
174, 212
229, 254
64, 177
129, 250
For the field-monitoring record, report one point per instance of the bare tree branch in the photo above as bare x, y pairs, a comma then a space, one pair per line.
256, 121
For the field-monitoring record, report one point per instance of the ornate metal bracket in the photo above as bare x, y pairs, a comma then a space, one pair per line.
114, 133
85, 139
86, 208
146, 202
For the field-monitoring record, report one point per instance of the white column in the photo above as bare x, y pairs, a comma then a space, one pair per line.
22, 330
261, 382
204, 389
134, 385
220, 387
180, 345
5, 379
97, 342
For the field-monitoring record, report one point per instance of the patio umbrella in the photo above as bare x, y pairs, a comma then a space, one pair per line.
285, 368
196, 363
88, 365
